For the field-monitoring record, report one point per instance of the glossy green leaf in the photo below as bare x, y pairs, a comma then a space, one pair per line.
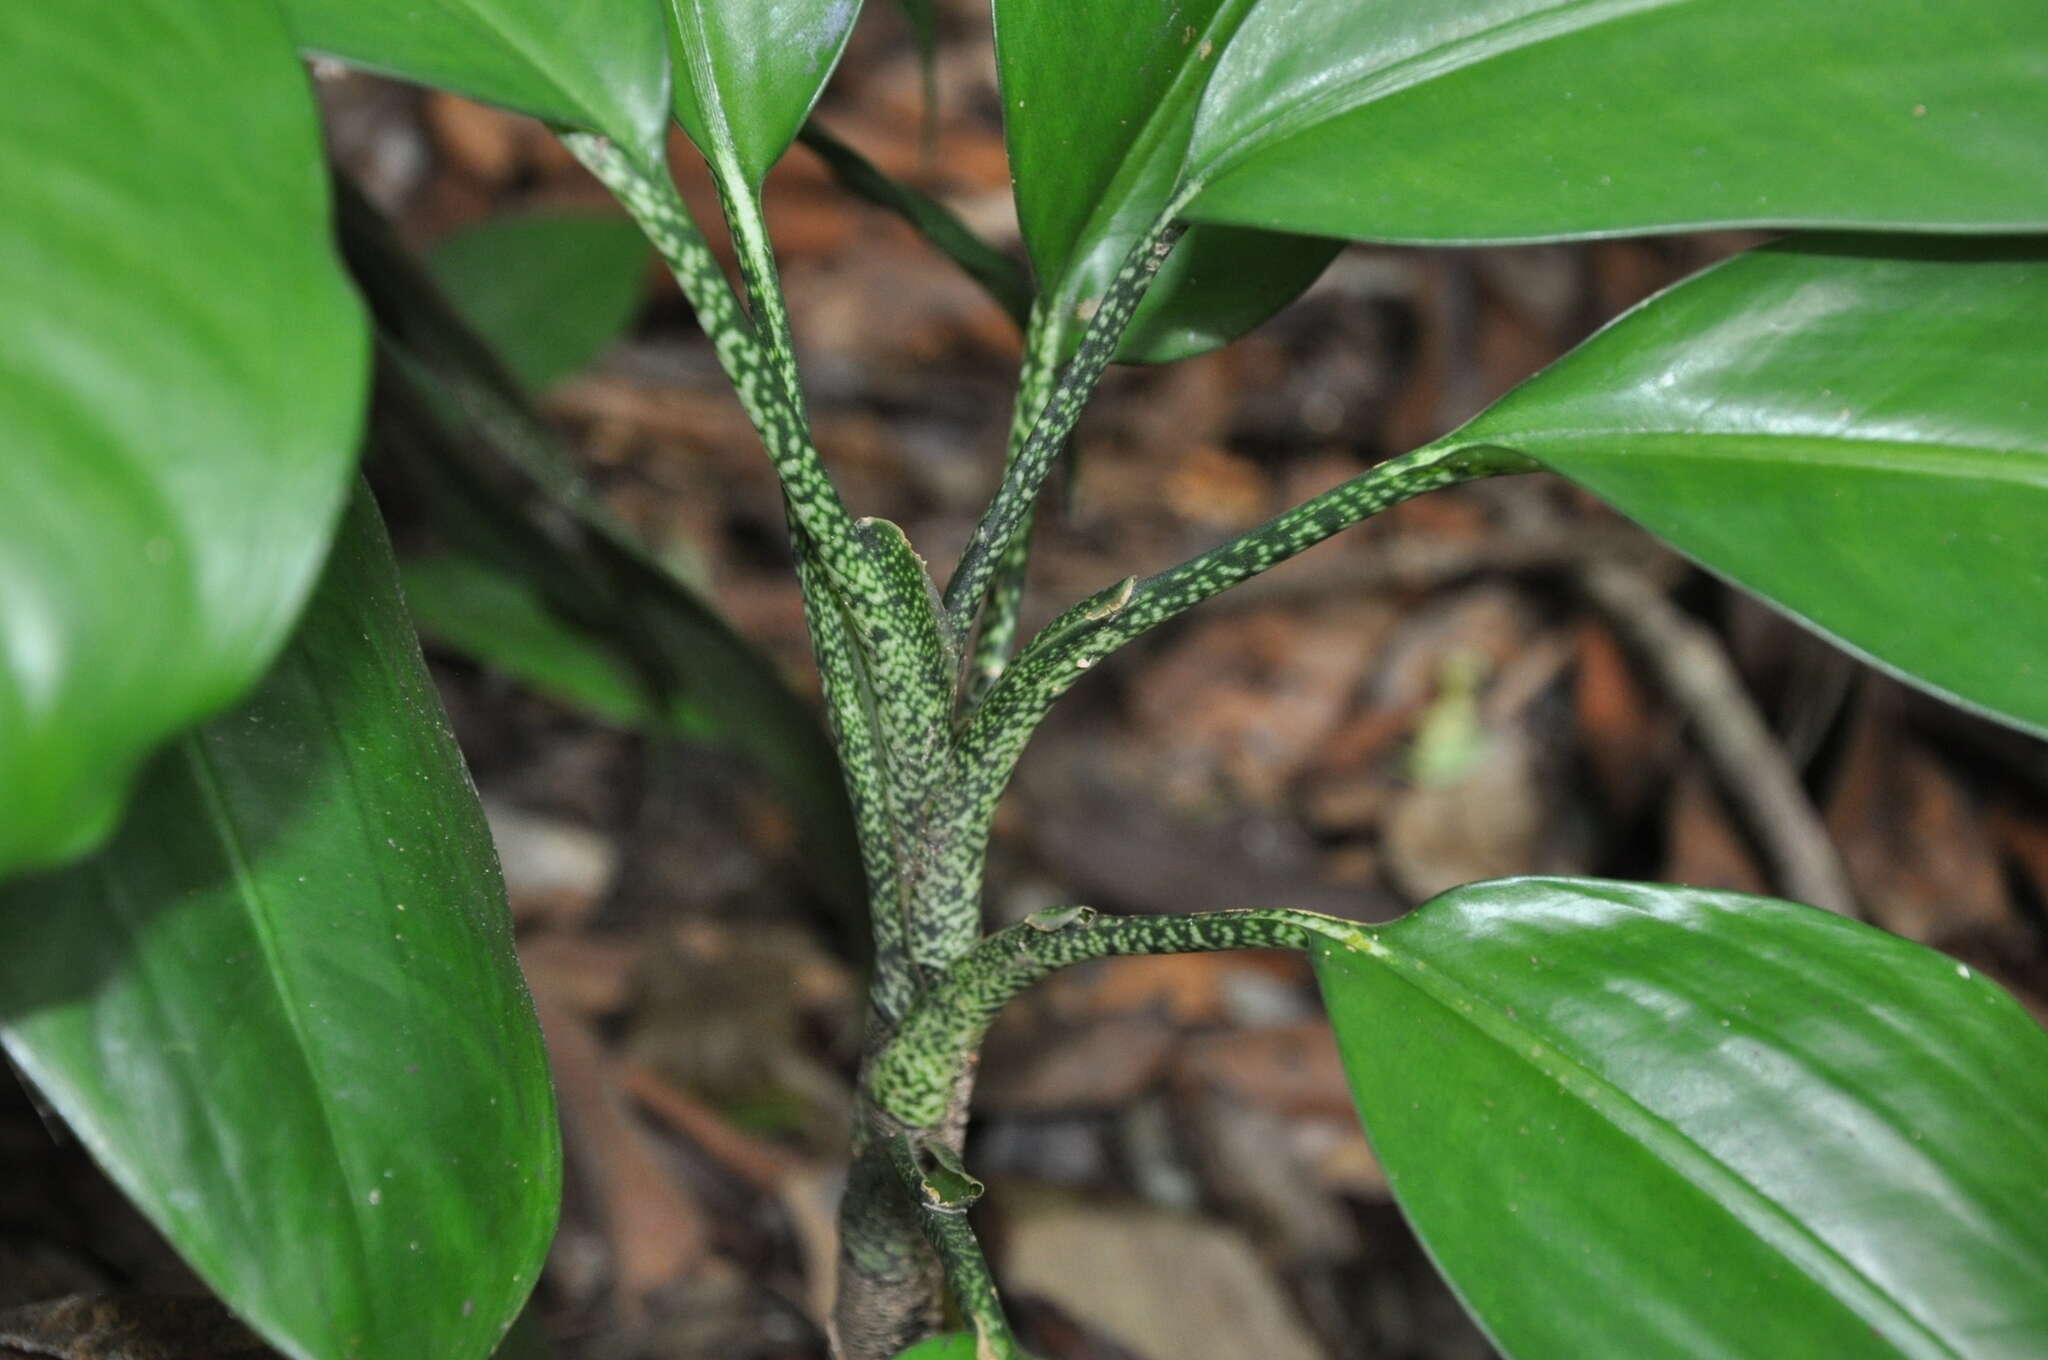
1857, 431
181, 375
595, 64
748, 71
1098, 103
548, 291
1448, 120
958, 1346
282, 1010
464, 603
1656, 1121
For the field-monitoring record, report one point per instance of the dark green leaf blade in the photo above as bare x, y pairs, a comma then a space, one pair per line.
1098, 101
282, 1010
1098, 104
748, 71
1859, 436
527, 1340
1448, 121
463, 603
1219, 283
958, 1346
923, 18
1672, 1122
548, 291
182, 370
595, 64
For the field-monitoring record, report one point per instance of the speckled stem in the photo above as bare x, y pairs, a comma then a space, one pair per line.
942, 877
886, 660
890, 666
905, 656
1070, 645
754, 356
997, 634
847, 706
913, 1076
928, 739
943, 1193
996, 637
942, 870
1026, 473
891, 1284
914, 1095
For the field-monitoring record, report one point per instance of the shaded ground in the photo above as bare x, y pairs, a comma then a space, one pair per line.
1443, 695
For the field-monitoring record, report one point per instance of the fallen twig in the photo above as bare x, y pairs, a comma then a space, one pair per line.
1748, 763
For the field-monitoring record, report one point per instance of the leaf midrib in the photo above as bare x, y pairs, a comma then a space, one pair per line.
724, 153
1934, 459
1777, 1226
206, 779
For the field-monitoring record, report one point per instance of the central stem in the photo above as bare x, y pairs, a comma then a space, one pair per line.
892, 1287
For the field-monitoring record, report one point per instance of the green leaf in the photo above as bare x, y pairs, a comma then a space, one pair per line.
1856, 431
1655, 1121
1449, 120
958, 1346
748, 71
282, 1010
1098, 103
548, 291
601, 65
466, 604
923, 18
182, 370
